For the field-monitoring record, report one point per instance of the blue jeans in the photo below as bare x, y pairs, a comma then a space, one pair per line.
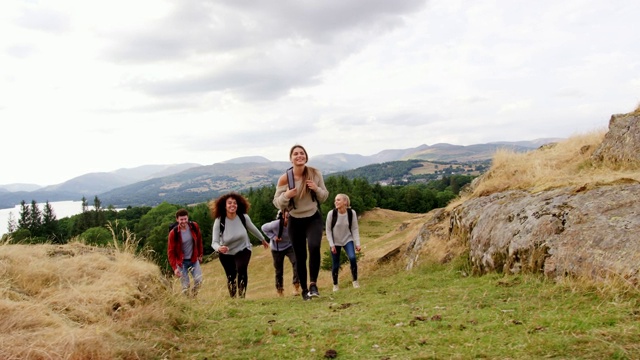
193, 268
350, 250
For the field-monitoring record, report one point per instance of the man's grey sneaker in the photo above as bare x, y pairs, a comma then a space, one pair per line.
356, 284
336, 288
313, 291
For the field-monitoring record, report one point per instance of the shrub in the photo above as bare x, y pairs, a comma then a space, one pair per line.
99, 236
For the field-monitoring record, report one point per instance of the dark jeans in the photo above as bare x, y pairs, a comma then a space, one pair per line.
306, 232
236, 265
351, 254
278, 264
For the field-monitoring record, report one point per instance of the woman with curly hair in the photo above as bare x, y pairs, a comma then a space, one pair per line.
231, 240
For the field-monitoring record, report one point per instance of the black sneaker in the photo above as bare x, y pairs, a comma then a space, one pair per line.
305, 295
313, 291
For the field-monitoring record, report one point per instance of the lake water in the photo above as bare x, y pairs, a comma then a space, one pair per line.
62, 209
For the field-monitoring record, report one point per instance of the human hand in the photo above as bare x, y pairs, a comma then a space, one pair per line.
177, 272
223, 249
333, 249
265, 244
311, 185
291, 193
358, 248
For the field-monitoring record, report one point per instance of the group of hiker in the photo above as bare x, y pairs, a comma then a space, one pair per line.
295, 234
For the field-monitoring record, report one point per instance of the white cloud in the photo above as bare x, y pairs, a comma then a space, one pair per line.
101, 86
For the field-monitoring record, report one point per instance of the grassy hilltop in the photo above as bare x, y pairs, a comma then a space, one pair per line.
80, 302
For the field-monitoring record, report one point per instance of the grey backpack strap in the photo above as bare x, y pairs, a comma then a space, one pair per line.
292, 184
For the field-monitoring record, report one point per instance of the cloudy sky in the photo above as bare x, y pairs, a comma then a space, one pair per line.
91, 86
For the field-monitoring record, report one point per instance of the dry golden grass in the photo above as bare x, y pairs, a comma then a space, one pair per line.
81, 302
566, 163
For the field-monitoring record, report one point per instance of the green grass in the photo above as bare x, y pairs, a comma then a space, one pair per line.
432, 312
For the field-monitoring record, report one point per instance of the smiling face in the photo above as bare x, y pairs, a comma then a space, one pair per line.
231, 206
182, 221
340, 202
298, 155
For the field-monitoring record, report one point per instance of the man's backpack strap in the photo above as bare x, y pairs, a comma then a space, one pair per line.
176, 229
194, 227
280, 224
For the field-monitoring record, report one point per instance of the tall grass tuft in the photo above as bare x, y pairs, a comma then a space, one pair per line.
566, 163
76, 301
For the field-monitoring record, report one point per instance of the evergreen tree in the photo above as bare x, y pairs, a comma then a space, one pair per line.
35, 219
85, 205
363, 192
261, 200
25, 216
99, 218
84, 219
49, 222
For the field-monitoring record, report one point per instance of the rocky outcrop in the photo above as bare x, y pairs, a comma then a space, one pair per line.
591, 230
560, 232
621, 144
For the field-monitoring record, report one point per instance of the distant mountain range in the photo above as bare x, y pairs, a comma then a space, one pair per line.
192, 183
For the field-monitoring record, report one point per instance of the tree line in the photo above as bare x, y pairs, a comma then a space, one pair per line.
150, 225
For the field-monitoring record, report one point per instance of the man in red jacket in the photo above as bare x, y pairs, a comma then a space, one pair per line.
185, 251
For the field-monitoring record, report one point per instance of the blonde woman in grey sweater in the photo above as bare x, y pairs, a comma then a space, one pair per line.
343, 232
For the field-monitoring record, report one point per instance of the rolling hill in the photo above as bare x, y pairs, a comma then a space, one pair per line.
191, 183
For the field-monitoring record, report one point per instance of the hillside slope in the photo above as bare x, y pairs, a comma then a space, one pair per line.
81, 302
78, 302
564, 210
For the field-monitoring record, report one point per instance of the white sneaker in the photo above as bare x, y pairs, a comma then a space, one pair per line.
356, 284
335, 288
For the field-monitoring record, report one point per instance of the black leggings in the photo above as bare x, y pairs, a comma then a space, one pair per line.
306, 232
236, 264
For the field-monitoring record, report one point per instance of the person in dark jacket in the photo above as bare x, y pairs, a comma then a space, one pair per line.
280, 248
185, 250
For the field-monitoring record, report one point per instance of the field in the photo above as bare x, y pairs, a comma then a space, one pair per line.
111, 305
